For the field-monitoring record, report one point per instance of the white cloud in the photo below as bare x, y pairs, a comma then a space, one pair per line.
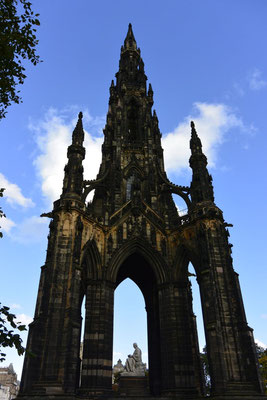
212, 122
23, 319
15, 306
53, 136
30, 230
6, 224
261, 344
13, 194
256, 82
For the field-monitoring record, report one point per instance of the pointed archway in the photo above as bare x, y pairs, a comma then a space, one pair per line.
139, 270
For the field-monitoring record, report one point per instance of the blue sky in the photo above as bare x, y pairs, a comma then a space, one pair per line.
206, 61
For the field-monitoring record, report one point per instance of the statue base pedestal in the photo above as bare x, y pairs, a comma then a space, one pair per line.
133, 386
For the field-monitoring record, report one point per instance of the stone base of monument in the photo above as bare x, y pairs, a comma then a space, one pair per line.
133, 386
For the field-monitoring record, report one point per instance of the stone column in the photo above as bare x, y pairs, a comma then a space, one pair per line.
154, 353
230, 345
179, 375
96, 376
54, 335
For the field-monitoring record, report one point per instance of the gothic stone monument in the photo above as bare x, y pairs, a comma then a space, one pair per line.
132, 229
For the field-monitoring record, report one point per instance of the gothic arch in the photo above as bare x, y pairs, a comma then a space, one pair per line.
146, 268
136, 245
133, 168
91, 261
184, 255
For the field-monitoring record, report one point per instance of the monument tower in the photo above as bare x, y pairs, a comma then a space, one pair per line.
131, 229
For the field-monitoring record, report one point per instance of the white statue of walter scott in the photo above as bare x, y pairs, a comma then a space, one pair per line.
134, 365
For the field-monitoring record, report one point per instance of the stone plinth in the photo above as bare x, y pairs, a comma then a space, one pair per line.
133, 386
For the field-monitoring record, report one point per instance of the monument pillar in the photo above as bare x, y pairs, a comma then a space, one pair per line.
96, 378
230, 343
180, 376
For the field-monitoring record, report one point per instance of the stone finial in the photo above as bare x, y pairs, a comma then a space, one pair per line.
130, 41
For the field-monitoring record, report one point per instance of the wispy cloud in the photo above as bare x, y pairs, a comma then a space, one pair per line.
256, 82
53, 136
15, 306
6, 224
23, 319
212, 122
30, 230
261, 344
238, 89
13, 194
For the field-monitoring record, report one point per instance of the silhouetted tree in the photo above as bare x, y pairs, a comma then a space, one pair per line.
17, 43
206, 371
7, 320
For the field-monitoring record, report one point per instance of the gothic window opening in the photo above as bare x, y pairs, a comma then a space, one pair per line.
198, 317
129, 185
89, 201
132, 118
82, 337
181, 205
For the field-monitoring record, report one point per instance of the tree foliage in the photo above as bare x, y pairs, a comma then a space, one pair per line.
7, 336
262, 357
8, 321
206, 370
17, 43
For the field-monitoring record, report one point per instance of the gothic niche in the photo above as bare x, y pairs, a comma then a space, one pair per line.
132, 121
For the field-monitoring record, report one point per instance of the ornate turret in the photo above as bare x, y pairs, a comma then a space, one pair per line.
73, 179
201, 186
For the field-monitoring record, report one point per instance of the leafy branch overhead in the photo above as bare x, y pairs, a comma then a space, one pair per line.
8, 321
7, 336
17, 43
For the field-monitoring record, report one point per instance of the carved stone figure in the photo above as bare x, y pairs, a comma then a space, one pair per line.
134, 365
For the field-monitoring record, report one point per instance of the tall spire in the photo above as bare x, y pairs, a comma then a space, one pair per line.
195, 142
132, 160
201, 186
73, 179
130, 42
131, 72
78, 133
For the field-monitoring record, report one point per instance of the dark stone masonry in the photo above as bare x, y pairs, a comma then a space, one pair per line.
132, 229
